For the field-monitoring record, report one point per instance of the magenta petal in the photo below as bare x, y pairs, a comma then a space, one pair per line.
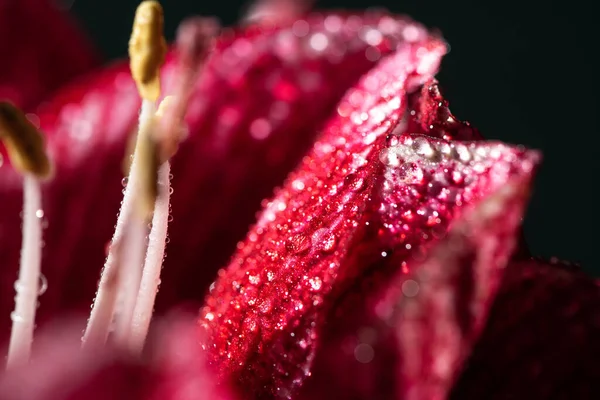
181, 365
432, 311
42, 49
255, 111
363, 204
439, 311
60, 370
173, 368
541, 340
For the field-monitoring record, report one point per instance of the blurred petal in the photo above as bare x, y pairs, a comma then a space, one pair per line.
363, 203
182, 371
62, 371
541, 340
443, 307
42, 49
172, 369
256, 109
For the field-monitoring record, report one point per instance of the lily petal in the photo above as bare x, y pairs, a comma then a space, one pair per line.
172, 369
541, 340
42, 49
262, 97
426, 322
62, 371
362, 205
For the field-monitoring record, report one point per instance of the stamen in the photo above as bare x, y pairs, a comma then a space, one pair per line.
24, 143
26, 150
147, 49
195, 38
122, 269
194, 41
276, 11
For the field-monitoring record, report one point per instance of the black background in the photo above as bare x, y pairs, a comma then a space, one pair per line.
522, 72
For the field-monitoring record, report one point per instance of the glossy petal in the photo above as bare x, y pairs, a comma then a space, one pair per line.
42, 49
255, 111
541, 340
430, 314
362, 203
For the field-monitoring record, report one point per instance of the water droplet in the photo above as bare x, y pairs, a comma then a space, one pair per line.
43, 286
300, 28
16, 317
39, 213
266, 306
410, 288
324, 239
170, 218
364, 353
355, 182
315, 283
389, 157
260, 129
319, 41
298, 244
124, 181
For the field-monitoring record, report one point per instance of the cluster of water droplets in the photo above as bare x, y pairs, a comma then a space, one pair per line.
284, 271
428, 180
42, 286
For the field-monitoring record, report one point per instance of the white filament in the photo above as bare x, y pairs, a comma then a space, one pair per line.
23, 317
113, 275
152, 267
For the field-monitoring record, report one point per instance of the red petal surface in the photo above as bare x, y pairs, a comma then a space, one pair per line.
255, 111
430, 114
359, 206
42, 49
541, 340
429, 318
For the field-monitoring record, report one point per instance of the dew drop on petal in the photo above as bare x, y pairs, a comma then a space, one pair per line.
364, 353
410, 288
298, 244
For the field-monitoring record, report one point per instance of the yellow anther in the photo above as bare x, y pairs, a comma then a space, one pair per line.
24, 142
147, 49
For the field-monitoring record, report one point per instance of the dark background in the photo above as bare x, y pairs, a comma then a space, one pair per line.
520, 71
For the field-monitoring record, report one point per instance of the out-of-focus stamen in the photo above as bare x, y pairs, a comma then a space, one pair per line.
195, 38
23, 142
276, 11
194, 42
26, 150
122, 270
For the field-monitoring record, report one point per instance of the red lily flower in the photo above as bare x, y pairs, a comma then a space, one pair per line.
262, 96
373, 271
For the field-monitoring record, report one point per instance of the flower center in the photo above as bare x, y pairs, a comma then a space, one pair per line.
131, 274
